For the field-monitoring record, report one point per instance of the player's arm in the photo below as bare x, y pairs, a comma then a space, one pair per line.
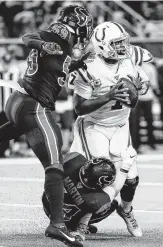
33, 40
128, 157
113, 190
83, 90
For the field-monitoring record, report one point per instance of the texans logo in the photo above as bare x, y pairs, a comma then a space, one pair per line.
104, 180
82, 15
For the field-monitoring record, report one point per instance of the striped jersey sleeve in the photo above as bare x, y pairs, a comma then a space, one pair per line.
140, 55
82, 84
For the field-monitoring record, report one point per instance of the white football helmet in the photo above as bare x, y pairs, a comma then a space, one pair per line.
111, 41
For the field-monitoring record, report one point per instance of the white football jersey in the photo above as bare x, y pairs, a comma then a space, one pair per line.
98, 80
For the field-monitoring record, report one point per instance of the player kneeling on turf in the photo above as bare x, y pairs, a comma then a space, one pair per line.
85, 202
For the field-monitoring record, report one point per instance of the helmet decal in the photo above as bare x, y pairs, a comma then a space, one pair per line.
111, 41
103, 35
119, 26
82, 16
97, 173
103, 180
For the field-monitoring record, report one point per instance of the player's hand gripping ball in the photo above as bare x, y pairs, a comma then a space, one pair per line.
132, 91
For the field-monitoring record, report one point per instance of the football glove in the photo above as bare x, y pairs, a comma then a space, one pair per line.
78, 64
144, 88
50, 48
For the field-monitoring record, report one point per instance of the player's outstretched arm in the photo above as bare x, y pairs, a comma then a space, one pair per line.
33, 40
85, 106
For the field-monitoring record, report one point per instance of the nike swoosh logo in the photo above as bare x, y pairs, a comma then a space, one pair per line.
69, 238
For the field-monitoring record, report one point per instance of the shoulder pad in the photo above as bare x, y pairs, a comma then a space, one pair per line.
61, 30
140, 55
147, 56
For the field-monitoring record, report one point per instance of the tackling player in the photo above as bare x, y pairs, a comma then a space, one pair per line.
84, 201
103, 129
29, 107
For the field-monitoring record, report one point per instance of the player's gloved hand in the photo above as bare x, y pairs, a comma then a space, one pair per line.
142, 87
78, 64
115, 93
50, 48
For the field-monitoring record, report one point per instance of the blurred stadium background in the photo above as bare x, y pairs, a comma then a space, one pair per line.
144, 22
21, 180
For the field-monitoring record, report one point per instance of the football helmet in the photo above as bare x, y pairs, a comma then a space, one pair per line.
80, 21
97, 173
111, 41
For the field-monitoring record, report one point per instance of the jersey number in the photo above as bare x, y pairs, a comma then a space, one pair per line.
32, 62
66, 64
70, 210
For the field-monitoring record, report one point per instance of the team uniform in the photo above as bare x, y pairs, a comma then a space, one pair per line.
29, 108
41, 85
108, 124
104, 131
79, 199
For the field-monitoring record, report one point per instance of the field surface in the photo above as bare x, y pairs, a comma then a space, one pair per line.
22, 221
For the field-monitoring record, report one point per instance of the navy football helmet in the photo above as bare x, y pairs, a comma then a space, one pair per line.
97, 173
80, 21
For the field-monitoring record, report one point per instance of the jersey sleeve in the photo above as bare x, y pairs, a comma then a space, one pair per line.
58, 31
33, 40
82, 85
140, 55
142, 74
61, 30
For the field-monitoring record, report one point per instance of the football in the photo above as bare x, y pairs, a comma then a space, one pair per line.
133, 92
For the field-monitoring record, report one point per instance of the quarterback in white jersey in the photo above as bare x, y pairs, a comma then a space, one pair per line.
102, 128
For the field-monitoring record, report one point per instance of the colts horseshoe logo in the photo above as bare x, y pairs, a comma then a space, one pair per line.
103, 35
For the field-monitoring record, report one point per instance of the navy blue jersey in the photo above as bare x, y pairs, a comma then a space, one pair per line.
45, 75
72, 165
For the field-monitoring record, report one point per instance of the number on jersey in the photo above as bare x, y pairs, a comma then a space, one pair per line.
32, 62
70, 211
66, 64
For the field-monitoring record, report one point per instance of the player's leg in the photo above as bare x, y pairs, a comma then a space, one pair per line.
99, 207
44, 137
89, 140
125, 209
8, 131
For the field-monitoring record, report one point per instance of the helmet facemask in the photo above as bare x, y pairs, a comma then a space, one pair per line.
83, 36
115, 49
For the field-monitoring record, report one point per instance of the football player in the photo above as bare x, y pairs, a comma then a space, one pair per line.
85, 202
103, 106
29, 107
